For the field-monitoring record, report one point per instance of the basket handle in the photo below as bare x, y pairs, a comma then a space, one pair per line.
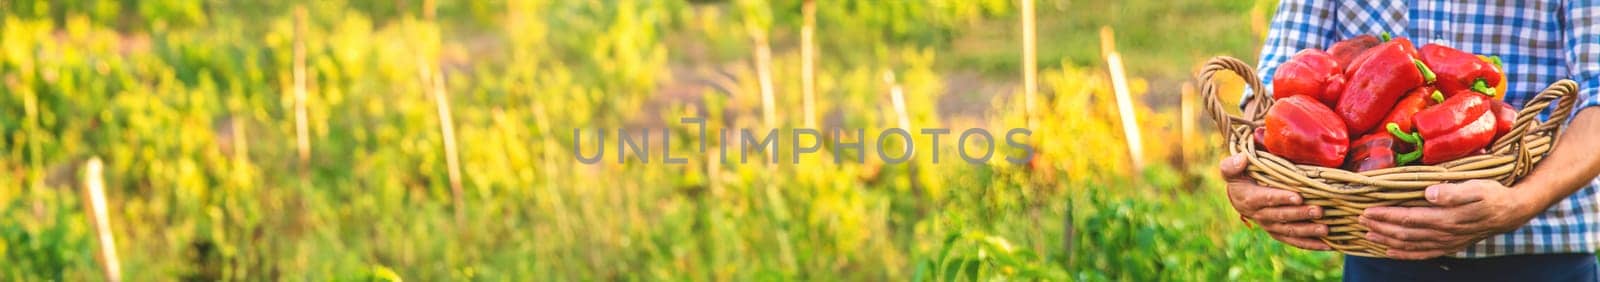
1255, 108
1564, 94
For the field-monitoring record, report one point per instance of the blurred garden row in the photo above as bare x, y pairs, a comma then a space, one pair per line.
432, 140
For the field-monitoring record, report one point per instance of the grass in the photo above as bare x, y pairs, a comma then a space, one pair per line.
191, 106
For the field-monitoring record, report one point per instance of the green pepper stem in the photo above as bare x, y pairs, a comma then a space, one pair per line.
1385, 36
1497, 63
1427, 74
1394, 128
1406, 158
1483, 87
1412, 138
1437, 96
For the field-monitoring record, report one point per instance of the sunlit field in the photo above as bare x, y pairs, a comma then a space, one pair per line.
434, 141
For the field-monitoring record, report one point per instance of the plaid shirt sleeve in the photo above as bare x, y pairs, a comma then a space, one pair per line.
1582, 24
1298, 24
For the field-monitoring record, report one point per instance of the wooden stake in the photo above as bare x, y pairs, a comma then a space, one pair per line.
1119, 82
429, 10
301, 126
808, 68
241, 149
95, 200
763, 56
1030, 66
769, 117
447, 129
1186, 120
897, 98
433, 80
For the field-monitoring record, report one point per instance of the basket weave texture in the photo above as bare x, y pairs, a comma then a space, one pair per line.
1343, 195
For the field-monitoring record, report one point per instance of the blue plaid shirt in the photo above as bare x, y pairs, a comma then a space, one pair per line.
1539, 41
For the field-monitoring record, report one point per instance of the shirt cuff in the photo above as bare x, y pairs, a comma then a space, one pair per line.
1587, 97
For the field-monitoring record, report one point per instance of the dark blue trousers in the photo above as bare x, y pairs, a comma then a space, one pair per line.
1554, 267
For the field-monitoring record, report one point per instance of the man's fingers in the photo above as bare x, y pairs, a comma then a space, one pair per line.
1246, 195
1401, 232
1233, 166
1416, 217
1254, 197
1302, 242
1397, 244
1450, 195
1280, 214
1298, 229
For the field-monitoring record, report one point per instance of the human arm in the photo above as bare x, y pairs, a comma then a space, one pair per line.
1468, 212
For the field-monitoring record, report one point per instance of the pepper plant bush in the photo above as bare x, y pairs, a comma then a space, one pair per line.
190, 104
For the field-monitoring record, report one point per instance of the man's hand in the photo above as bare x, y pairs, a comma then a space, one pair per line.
1462, 215
1280, 212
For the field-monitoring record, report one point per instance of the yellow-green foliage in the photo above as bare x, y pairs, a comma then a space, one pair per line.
190, 103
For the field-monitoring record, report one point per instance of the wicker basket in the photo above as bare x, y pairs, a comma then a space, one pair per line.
1343, 195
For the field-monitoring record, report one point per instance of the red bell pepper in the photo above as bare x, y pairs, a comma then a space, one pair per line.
1261, 137
1419, 98
1374, 151
1456, 128
1348, 49
1378, 84
1411, 48
1304, 131
1312, 73
1504, 115
1450, 115
1458, 70
1355, 63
